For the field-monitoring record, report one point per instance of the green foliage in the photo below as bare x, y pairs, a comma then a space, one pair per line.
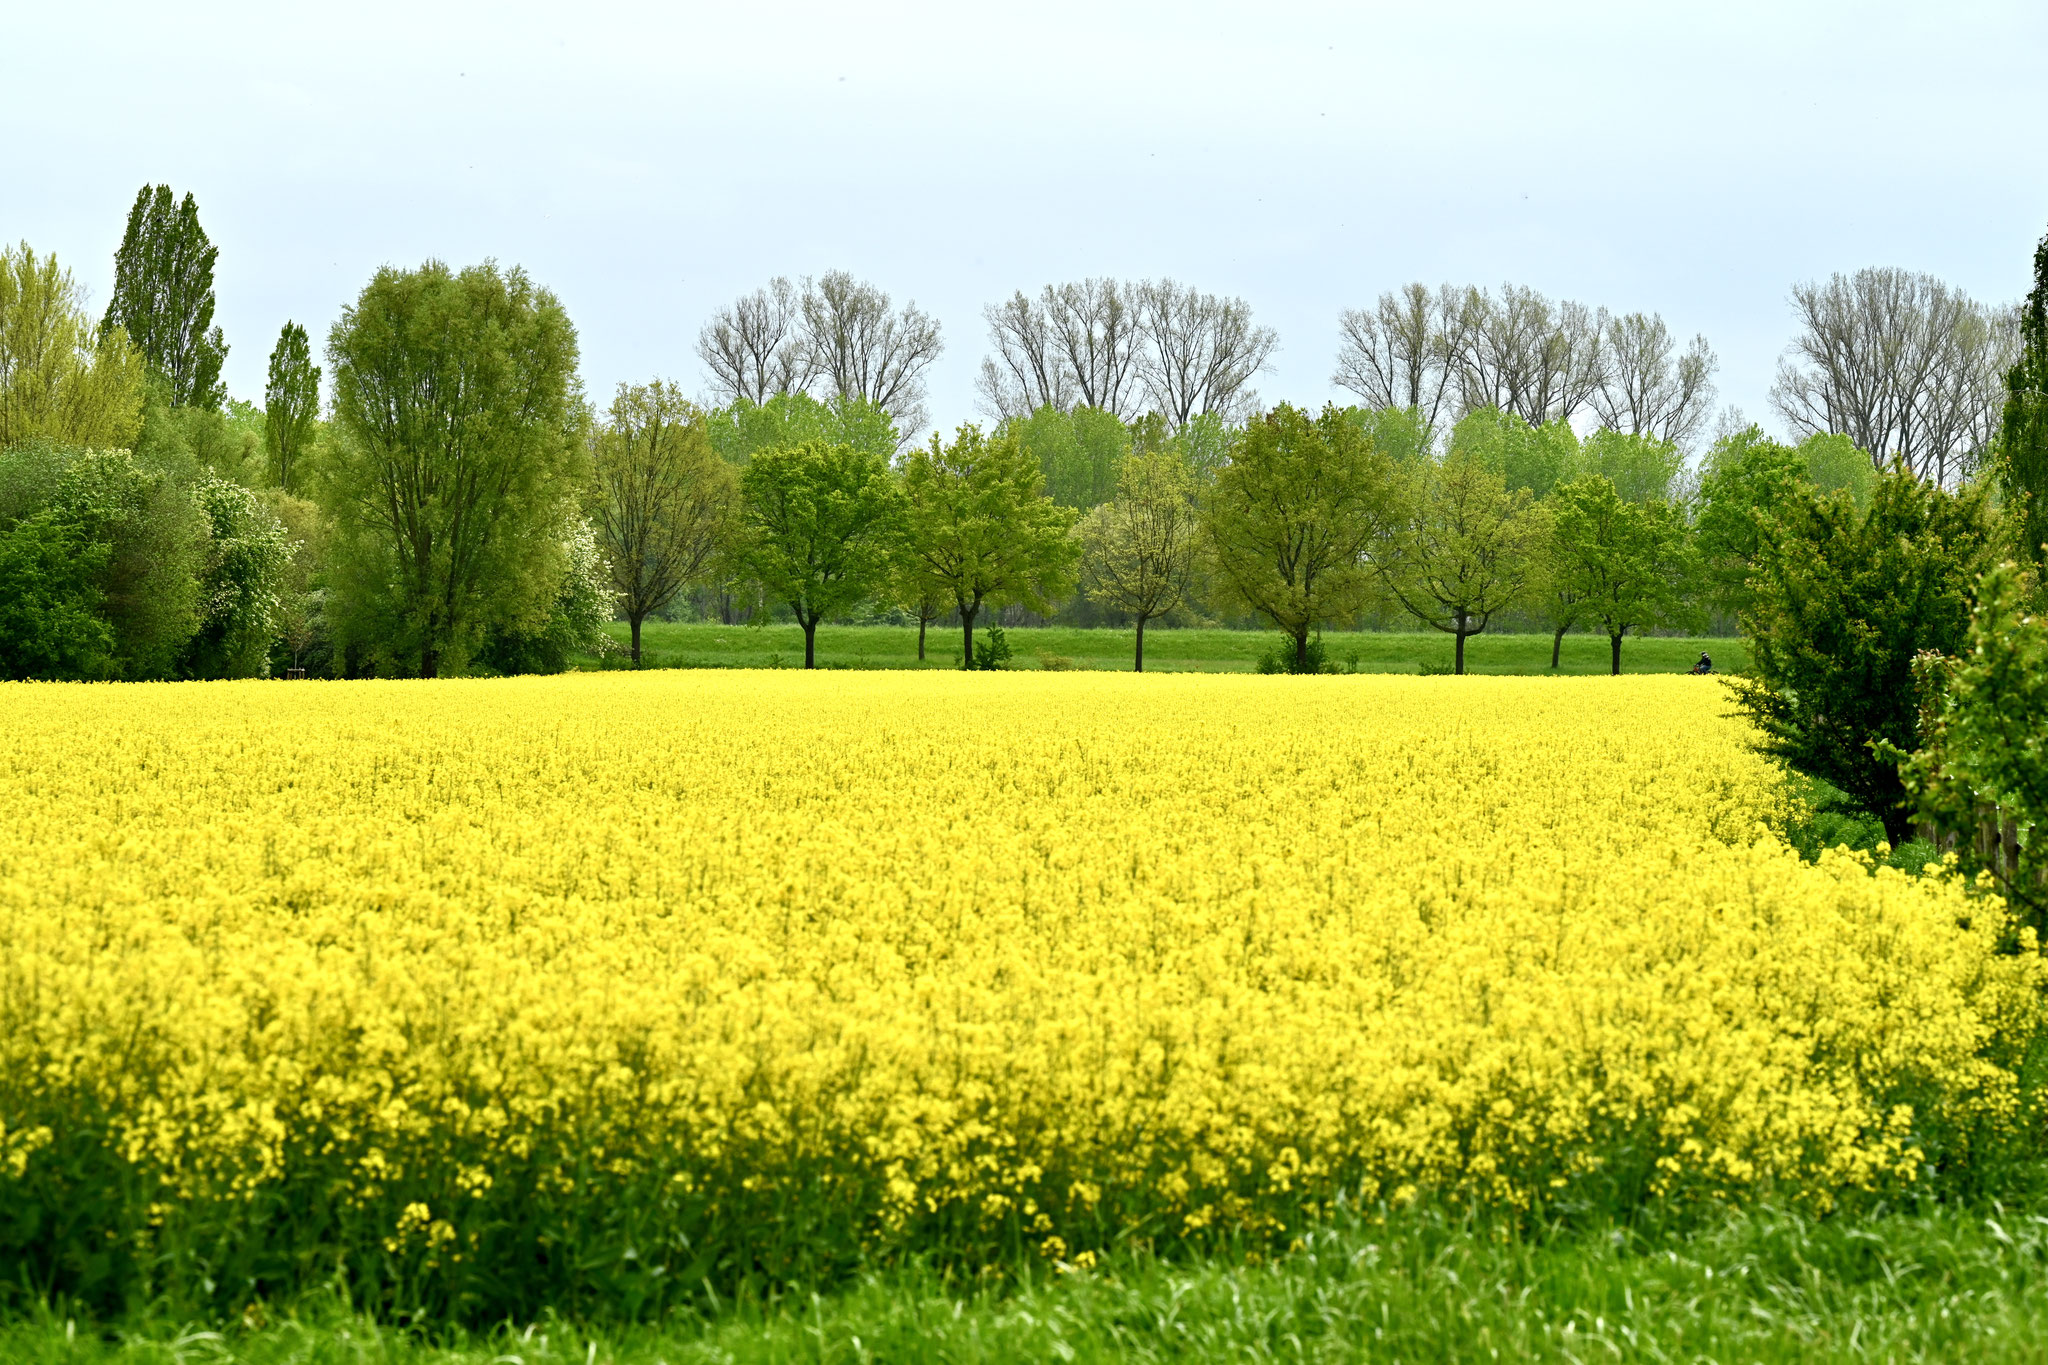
1838, 611
157, 543
1641, 467
1399, 433
1078, 452
241, 589
1536, 458
743, 428
58, 382
163, 297
187, 441
1465, 550
1138, 550
2022, 453
663, 500
460, 456
1833, 464
1748, 480
1292, 521
574, 622
818, 525
992, 651
1982, 769
979, 530
1627, 565
291, 406
51, 610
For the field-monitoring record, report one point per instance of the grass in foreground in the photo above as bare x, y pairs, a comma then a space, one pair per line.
1901, 1284
675, 644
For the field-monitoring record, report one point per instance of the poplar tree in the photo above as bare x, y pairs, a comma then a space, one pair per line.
291, 403
163, 297
2023, 434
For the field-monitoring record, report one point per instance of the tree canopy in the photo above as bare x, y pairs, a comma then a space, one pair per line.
163, 297
460, 459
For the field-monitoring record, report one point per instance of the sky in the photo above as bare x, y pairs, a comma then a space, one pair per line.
650, 162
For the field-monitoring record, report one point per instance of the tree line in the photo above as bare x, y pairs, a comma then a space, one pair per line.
458, 503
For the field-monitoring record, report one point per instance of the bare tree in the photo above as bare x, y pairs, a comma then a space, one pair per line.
1902, 364
1524, 355
1029, 369
1075, 344
864, 350
1403, 353
756, 348
1199, 351
1649, 388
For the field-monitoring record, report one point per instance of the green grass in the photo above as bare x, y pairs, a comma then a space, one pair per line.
1906, 1284
697, 645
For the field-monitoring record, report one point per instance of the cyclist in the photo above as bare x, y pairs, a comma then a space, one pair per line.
1705, 665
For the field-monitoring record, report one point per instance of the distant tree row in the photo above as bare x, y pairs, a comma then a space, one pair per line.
456, 503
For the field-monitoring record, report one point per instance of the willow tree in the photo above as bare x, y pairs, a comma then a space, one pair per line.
461, 456
58, 381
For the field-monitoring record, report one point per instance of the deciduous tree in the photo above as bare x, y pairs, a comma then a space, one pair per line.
461, 457
58, 382
291, 405
1464, 552
1838, 613
817, 526
1628, 565
1138, 549
663, 502
163, 297
980, 531
1293, 520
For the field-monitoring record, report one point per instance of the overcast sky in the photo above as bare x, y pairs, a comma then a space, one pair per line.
650, 162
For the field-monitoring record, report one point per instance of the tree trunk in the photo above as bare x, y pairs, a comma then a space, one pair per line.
1556, 644
636, 639
967, 615
1301, 651
430, 661
1459, 666
810, 641
1615, 642
920, 639
1138, 666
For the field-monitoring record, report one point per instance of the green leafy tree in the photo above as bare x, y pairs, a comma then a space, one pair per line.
1982, 768
1747, 481
817, 524
1627, 564
979, 530
1077, 451
1138, 549
782, 420
1837, 614
2023, 431
572, 623
461, 456
1641, 467
1538, 458
157, 542
1292, 522
248, 560
291, 405
664, 502
52, 624
58, 381
163, 297
1465, 551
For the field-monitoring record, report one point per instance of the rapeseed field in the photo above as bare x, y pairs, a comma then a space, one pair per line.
473, 997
